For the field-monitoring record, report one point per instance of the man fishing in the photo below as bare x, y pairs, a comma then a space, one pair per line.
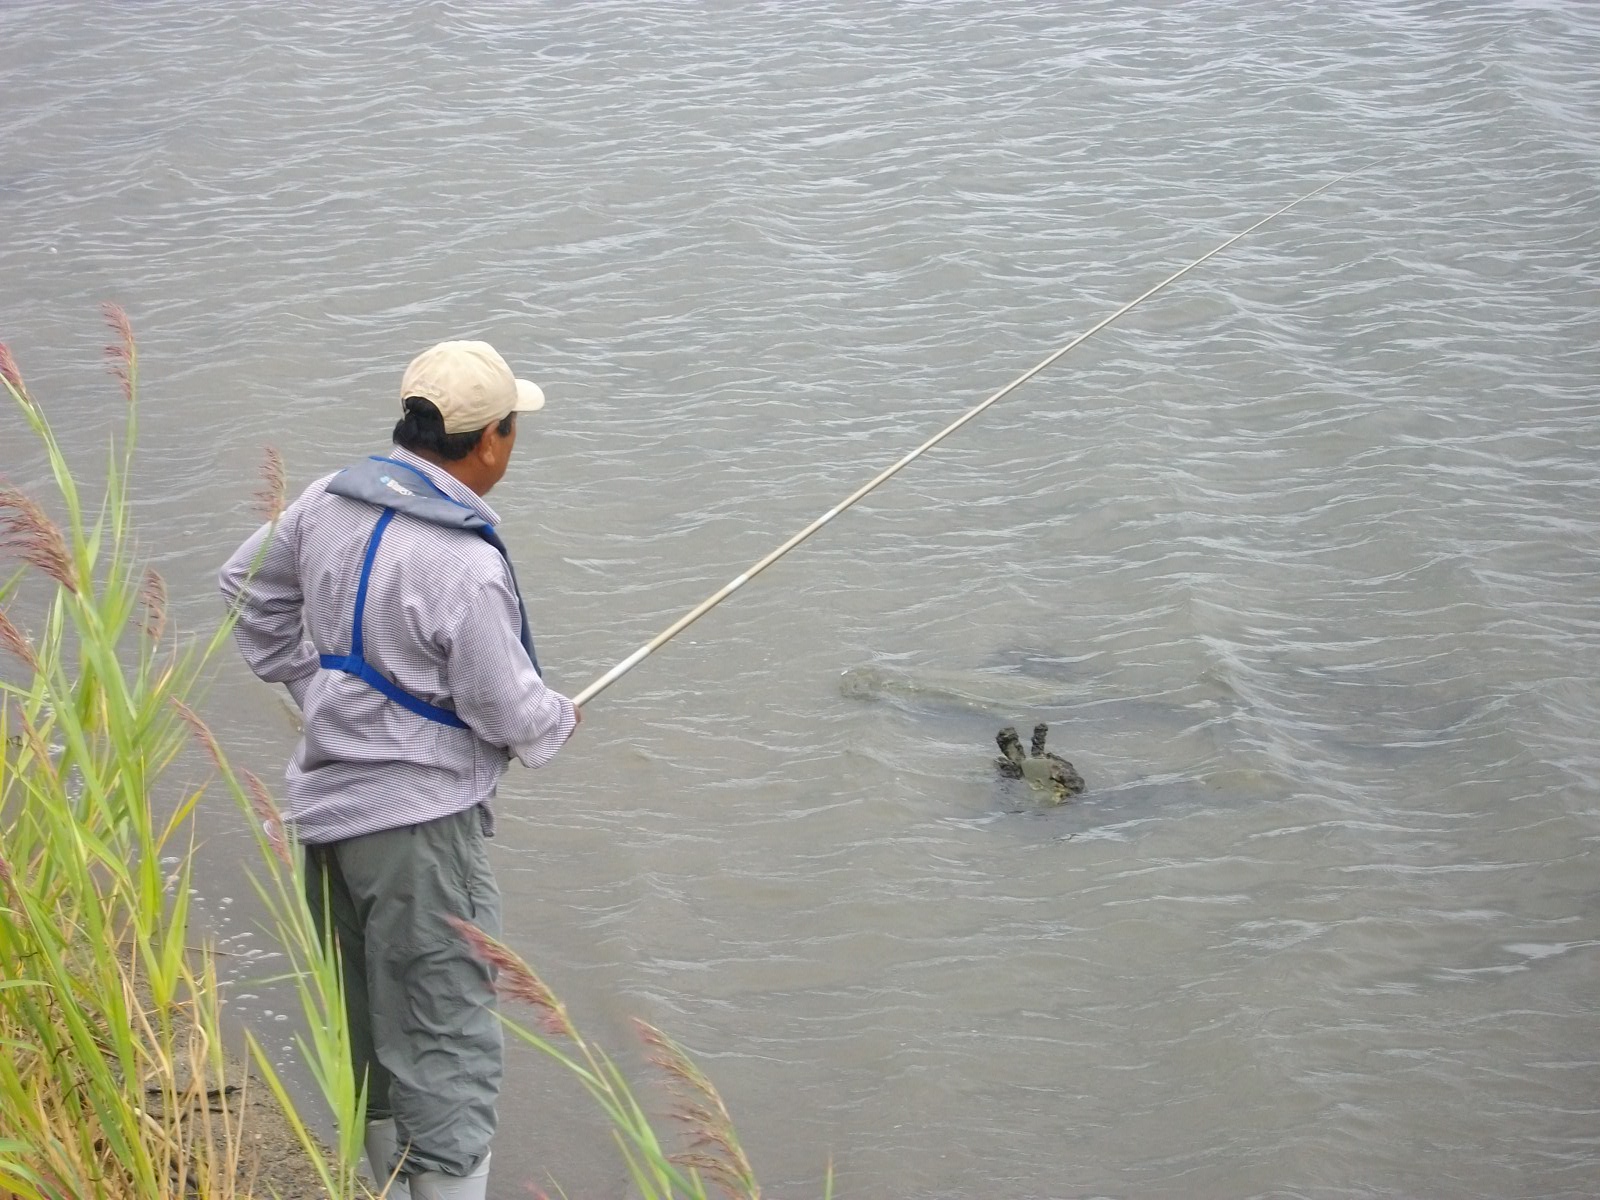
386, 603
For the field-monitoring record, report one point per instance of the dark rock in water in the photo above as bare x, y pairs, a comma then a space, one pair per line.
1049, 773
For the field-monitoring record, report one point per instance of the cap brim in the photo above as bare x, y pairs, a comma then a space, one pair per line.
530, 397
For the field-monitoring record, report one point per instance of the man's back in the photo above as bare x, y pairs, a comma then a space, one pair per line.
440, 620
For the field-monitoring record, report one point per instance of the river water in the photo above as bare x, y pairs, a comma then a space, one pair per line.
1298, 559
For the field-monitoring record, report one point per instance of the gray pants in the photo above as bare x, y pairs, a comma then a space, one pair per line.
421, 1006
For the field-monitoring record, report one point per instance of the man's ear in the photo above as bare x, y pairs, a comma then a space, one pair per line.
487, 449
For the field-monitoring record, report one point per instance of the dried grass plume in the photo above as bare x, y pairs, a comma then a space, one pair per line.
200, 730
153, 595
10, 372
714, 1149
14, 640
26, 532
123, 355
271, 820
515, 980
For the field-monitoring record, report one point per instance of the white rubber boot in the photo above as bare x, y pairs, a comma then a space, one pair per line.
381, 1142
432, 1185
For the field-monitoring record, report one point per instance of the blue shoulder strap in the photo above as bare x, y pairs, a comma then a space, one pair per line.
355, 663
373, 482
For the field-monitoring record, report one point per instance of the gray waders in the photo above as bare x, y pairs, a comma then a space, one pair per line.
424, 1035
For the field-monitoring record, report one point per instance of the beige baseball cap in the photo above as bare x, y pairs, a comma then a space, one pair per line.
470, 384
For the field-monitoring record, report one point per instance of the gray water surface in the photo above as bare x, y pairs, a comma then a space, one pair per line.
1298, 559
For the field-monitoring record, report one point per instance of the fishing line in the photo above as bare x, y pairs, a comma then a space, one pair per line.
738, 581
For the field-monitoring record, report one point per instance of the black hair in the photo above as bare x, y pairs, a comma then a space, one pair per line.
421, 431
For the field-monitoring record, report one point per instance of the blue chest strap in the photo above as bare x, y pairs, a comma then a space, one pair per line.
371, 482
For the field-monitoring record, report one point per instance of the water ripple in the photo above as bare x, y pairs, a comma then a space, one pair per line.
1297, 559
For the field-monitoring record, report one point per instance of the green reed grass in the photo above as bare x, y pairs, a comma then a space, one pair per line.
109, 1009
110, 1019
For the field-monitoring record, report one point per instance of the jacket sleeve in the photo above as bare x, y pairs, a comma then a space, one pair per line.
261, 583
493, 685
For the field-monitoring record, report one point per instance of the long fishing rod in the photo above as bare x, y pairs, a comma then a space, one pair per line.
738, 581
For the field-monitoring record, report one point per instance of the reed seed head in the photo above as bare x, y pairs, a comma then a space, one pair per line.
14, 640
270, 497
200, 730
515, 980
714, 1149
123, 355
271, 820
10, 372
153, 594
26, 532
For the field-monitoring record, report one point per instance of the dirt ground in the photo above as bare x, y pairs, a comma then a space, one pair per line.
274, 1163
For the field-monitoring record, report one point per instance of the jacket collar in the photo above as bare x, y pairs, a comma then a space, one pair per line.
446, 483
